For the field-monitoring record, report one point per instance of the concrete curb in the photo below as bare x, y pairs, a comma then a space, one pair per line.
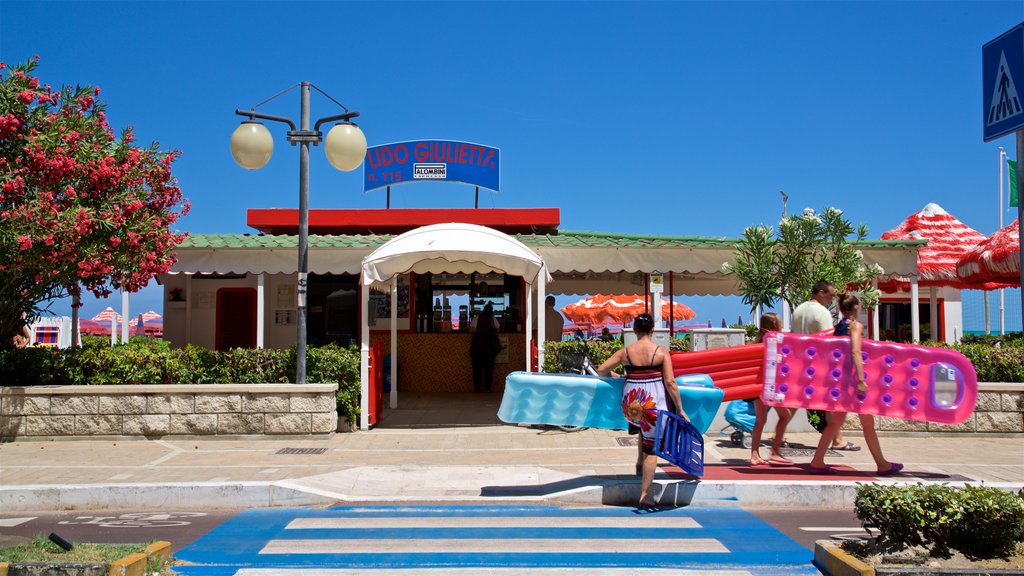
832, 560
136, 564
201, 495
131, 565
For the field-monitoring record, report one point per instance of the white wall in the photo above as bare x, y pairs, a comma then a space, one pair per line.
953, 312
202, 302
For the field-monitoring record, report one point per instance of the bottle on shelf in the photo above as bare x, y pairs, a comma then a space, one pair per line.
437, 316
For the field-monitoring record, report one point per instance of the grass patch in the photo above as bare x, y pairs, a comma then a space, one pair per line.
40, 549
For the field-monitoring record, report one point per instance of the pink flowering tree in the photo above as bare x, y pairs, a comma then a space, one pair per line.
80, 209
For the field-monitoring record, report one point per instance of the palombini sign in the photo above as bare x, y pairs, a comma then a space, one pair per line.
431, 161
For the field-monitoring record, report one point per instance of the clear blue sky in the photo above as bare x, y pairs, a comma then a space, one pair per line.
658, 118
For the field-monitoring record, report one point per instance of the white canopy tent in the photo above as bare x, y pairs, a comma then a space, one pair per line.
445, 248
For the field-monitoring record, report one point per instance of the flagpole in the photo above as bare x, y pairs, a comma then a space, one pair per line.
1002, 301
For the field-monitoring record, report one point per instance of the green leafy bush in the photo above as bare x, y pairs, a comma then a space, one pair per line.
979, 521
1003, 364
152, 361
564, 356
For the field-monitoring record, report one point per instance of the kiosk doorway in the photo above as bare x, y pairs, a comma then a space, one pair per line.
236, 318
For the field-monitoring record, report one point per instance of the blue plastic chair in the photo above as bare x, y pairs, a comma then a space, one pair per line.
677, 441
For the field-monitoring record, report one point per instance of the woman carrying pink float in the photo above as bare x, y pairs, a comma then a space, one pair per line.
849, 307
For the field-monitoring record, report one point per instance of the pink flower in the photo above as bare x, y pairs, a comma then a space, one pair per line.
26, 96
24, 242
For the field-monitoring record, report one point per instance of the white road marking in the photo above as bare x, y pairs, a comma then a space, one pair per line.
174, 451
631, 546
12, 522
832, 529
639, 521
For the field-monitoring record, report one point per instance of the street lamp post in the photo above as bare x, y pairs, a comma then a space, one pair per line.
345, 146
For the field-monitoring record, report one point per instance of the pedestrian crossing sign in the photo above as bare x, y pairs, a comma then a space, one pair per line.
1002, 68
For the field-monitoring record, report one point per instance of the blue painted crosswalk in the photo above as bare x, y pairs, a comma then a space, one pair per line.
470, 540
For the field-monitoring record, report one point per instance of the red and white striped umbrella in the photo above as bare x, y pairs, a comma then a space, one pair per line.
948, 240
623, 308
106, 315
151, 315
996, 259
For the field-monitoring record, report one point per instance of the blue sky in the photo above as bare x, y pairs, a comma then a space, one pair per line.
658, 118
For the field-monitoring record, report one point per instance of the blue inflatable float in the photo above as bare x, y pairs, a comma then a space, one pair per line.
592, 401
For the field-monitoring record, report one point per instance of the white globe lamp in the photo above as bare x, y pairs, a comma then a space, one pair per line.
252, 145
345, 146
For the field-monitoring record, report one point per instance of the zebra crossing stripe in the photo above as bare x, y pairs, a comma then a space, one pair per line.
604, 571
629, 546
348, 523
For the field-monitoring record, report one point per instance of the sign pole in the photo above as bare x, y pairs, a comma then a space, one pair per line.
1020, 219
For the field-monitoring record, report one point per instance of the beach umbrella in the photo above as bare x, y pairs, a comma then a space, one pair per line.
106, 315
152, 315
996, 259
622, 308
948, 239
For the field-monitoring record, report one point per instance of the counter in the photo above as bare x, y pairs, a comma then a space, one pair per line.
439, 362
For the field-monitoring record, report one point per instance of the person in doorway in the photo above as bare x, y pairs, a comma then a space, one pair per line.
770, 322
483, 348
849, 307
812, 317
649, 387
553, 321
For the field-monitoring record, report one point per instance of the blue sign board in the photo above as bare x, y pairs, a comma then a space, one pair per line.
1002, 67
431, 161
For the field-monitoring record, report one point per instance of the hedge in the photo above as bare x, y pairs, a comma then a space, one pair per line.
1004, 363
151, 361
979, 521
564, 356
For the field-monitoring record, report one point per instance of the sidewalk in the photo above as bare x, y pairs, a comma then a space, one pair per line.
418, 455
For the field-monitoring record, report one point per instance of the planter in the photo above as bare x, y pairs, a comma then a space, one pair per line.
831, 560
133, 564
168, 410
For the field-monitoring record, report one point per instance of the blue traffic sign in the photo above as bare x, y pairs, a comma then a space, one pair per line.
1002, 64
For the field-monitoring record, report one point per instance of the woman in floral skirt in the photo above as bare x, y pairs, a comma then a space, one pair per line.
649, 382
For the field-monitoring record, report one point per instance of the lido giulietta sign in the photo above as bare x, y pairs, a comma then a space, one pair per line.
431, 161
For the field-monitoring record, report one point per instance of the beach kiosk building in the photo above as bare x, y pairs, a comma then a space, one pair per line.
412, 279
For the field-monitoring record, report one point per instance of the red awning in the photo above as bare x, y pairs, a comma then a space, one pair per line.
996, 259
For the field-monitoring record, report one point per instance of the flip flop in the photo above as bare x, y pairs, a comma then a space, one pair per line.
780, 461
827, 470
759, 464
894, 468
849, 447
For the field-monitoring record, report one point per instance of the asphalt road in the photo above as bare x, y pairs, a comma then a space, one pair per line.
181, 528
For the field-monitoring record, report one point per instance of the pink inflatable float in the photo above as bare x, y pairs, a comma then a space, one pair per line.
904, 381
